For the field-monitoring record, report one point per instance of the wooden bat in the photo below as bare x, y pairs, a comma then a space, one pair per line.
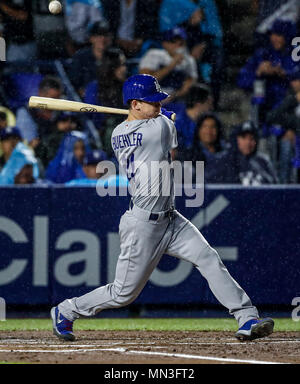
74, 106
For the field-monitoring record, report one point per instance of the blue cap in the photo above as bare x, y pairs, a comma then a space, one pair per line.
246, 127
284, 28
99, 28
174, 33
144, 88
94, 157
10, 132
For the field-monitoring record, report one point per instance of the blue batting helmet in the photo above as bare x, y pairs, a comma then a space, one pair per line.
144, 88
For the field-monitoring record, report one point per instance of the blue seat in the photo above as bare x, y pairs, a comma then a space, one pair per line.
276, 130
20, 86
272, 130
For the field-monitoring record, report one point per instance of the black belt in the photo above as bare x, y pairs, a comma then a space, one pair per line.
155, 216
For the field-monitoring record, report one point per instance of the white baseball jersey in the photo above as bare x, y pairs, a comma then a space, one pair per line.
142, 148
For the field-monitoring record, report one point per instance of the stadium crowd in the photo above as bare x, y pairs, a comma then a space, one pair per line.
87, 52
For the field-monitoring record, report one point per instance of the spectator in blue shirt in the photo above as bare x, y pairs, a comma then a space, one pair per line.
197, 102
173, 66
47, 148
283, 9
207, 137
93, 177
90, 162
271, 65
87, 61
286, 117
207, 141
21, 167
107, 91
36, 124
67, 164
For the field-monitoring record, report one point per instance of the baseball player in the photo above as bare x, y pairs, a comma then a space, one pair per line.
152, 226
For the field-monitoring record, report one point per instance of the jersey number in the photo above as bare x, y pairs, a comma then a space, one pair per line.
130, 167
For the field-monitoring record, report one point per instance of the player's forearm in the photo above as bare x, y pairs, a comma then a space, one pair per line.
16, 14
185, 87
160, 74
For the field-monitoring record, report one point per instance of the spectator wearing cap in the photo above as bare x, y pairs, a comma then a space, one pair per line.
87, 61
90, 162
268, 9
47, 148
132, 22
19, 164
200, 19
271, 65
36, 124
198, 102
79, 14
241, 163
7, 119
107, 91
92, 177
287, 116
9, 139
173, 66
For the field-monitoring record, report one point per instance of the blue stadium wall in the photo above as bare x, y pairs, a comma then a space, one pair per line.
59, 242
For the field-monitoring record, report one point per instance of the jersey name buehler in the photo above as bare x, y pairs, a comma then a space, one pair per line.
122, 141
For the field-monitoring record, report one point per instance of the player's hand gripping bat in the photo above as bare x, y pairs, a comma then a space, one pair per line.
75, 106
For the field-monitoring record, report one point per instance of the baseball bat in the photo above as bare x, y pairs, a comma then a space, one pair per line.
74, 106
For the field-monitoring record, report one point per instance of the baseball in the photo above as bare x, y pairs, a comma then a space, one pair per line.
55, 7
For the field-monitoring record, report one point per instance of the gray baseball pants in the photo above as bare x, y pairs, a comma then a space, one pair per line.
143, 242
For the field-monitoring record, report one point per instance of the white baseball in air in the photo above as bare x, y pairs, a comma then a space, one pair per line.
55, 7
